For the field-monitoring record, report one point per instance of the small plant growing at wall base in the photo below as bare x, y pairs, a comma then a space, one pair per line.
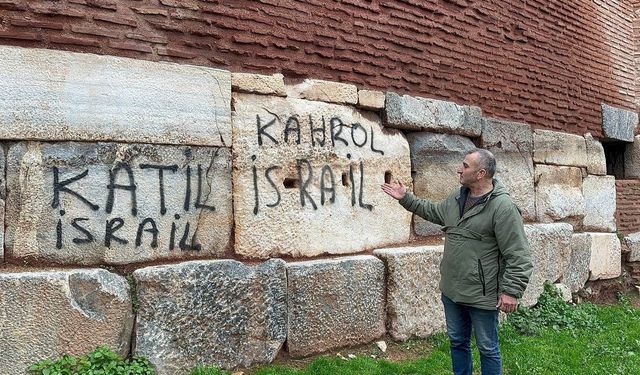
101, 361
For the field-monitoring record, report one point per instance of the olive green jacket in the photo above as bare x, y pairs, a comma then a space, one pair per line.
486, 252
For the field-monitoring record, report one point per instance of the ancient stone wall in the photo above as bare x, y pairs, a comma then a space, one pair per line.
547, 63
238, 211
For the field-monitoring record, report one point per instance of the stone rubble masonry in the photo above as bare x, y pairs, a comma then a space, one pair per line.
551, 253
633, 242
618, 124
258, 84
117, 203
632, 159
47, 314
558, 148
577, 274
559, 194
605, 256
596, 161
416, 113
333, 303
219, 312
413, 296
307, 176
60, 96
325, 91
600, 203
435, 159
372, 100
512, 145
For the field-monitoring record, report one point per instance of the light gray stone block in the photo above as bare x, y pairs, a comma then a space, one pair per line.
65, 96
632, 159
633, 243
415, 113
414, 308
334, 303
600, 203
577, 273
559, 194
558, 148
596, 161
258, 83
221, 313
47, 314
373, 100
82, 203
325, 91
606, 256
618, 124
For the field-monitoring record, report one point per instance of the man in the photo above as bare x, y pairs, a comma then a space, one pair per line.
486, 263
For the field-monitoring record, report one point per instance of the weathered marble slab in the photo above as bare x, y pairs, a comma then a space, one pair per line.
633, 243
632, 159
577, 273
307, 176
3, 197
325, 91
258, 83
333, 303
44, 315
416, 113
414, 308
373, 100
600, 203
606, 257
618, 124
435, 158
596, 161
559, 194
558, 148
551, 252
64, 96
81, 203
221, 313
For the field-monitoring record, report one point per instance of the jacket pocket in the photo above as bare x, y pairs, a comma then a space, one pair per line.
482, 280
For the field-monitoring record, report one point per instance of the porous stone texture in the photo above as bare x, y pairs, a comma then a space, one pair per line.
221, 313
95, 203
3, 197
414, 308
633, 243
65, 96
325, 91
618, 124
333, 303
559, 148
559, 194
416, 113
605, 256
512, 145
258, 83
577, 273
435, 159
632, 159
600, 203
47, 314
307, 176
551, 252
596, 161
369, 99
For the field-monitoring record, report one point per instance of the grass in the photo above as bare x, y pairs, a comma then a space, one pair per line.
557, 340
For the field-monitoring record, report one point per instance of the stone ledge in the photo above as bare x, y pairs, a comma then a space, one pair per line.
258, 84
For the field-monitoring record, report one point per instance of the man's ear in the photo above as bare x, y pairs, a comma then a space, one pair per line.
482, 173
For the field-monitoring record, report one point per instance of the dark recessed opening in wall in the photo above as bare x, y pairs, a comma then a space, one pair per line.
388, 177
345, 180
291, 183
614, 154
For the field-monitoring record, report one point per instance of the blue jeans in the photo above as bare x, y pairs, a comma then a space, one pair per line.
460, 319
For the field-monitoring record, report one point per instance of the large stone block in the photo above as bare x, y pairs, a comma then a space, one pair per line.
512, 145
334, 303
307, 176
551, 252
633, 243
632, 159
559, 148
258, 83
618, 124
415, 113
373, 100
606, 257
596, 161
577, 273
47, 314
325, 91
600, 203
60, 96
559, 194
414, 308
201, 313
81, 203
435, 159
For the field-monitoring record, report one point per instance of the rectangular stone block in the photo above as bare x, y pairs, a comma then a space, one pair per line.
325, 91
369, 99
606, 257
618, 124
81, 203
600, 203
258, 83
596, 161
414, 308
333, 303
632, 159
210, 313
64, 96
577, 274
559, 194
416, 113
307, 176
559, 148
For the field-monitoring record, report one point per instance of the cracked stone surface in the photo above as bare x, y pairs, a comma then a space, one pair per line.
559, 195
109, 203
221, 313
47, 314
64, 96
559, 148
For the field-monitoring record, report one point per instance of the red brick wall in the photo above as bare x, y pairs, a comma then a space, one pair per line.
549, 63
628, 206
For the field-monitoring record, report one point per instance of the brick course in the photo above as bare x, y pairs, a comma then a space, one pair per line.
628, 206
547, 63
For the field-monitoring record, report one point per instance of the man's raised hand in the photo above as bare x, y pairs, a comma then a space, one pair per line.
395, 190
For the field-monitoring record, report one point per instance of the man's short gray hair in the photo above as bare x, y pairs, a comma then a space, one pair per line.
486, 160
